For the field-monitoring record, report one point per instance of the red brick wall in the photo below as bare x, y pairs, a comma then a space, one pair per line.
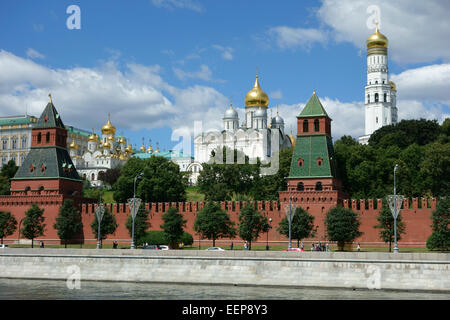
416, 215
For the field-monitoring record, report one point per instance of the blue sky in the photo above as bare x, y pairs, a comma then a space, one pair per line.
159, 65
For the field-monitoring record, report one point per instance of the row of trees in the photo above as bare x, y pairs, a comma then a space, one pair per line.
342, 225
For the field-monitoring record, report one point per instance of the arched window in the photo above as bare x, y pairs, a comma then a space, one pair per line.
93, 177
39, 137
300, 162
300, 186
14, 142
319, 186
47, 137
376, 97
385, 97
319, 161
368, 98
24, 142
305, 125
316, 125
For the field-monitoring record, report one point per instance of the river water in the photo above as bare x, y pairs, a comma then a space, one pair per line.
94, 290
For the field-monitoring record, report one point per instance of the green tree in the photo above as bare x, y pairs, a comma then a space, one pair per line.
342, 225
435, 169
162, 181
173, 226
440, 238
141, 225
110, 176
108, 225
251, 224
302, 225
33, 224
213, 223
386, 225
9, 170
8, 224
68, 222
5, 186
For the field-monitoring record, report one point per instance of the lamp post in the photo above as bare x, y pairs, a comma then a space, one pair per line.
99, 213
134, 204
289, 215
268, 228
395, 203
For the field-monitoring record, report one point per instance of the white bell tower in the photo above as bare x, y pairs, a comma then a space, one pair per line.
380, 93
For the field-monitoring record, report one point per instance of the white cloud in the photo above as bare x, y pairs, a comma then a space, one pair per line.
227, 52
204, 74
425, 83
33, 54
417, 30
288, 37
276, 94
137, 98
179, 4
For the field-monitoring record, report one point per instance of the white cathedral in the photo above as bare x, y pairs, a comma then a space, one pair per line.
255, 137
380, 93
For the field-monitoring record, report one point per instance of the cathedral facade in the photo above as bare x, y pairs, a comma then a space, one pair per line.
380, 93
256, 137
103, 153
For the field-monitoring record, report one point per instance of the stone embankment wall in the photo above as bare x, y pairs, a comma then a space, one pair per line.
407, 271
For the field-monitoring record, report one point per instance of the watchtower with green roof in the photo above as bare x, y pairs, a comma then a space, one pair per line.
313, 166
48, 168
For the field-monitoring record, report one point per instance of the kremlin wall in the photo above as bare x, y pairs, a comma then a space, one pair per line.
416, 214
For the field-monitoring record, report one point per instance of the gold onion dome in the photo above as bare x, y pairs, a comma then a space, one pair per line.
122, 140
110, 138
106, 145
142, 148
93, 137
256, 96
122, 157
393, 86
150, 149
73, 145
377, 39
129, 149
108, 128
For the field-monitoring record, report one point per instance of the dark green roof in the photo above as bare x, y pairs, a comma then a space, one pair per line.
310, 148
49, 118
56, 160
8, 121
79, 132
313, 108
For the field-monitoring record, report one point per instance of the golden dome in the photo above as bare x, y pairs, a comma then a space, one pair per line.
393, 86
111, 138
93, 137
122, 140
122, 157
256, 96
108, 128
143, 148
150, 149
129, 149
73, 145
377, 39
106, 145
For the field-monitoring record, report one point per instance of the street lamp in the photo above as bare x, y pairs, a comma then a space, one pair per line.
99, 213
134, 204
395, 203
268, 228
289, 216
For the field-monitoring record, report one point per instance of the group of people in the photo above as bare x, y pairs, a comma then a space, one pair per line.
319, 247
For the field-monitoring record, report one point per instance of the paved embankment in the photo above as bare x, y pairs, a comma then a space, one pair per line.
403, 271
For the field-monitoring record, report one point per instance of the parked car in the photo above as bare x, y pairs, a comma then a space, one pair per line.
151, 247
2, 246
295, 250
163, 247
215, 249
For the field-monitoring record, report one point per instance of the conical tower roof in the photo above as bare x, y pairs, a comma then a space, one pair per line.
313, 108
50, 117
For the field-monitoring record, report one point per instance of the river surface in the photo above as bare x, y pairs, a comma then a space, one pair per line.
94, 290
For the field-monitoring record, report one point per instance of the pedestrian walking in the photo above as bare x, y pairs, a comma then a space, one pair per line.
358, 248
42, 244
231, 246
327, 248
301, 246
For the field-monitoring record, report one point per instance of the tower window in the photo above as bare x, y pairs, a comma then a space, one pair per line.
300, 162
300, 186
39, 137
319, 161
305, 125
376, 82
319, 186
47, 137
385, 97
368, 98
376, 97
376, 119
316, 125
